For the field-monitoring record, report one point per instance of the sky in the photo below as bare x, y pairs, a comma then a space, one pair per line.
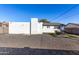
62, 13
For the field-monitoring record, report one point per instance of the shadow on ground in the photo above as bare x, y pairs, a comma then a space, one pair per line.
30, 51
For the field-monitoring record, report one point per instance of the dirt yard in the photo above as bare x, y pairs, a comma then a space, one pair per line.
39, 41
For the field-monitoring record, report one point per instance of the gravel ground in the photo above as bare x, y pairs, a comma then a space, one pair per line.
41, 44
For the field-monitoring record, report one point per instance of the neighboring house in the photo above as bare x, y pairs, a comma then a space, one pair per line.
72, 28
52, 27
4, 27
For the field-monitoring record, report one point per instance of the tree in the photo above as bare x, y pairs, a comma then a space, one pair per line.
44, 20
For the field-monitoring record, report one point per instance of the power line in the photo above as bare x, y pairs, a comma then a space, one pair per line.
56, 18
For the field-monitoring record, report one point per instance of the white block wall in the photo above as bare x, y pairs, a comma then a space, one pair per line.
48, 30
51, 29
33, 27
19, 28
36, 27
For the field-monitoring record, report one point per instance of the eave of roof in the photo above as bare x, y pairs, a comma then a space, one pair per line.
52, 24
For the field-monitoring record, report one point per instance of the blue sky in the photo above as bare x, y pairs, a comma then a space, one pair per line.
63, 13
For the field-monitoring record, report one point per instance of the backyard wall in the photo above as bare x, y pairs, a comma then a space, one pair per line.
36, 27
33, 27
19, 28
29, 28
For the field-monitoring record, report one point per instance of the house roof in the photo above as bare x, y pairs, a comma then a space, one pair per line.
4, 24
52, 24
72, 25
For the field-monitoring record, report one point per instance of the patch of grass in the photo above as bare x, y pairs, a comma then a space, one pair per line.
53, 34
57, 32
71, 36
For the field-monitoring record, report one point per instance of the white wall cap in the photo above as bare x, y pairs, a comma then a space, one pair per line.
34, 19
